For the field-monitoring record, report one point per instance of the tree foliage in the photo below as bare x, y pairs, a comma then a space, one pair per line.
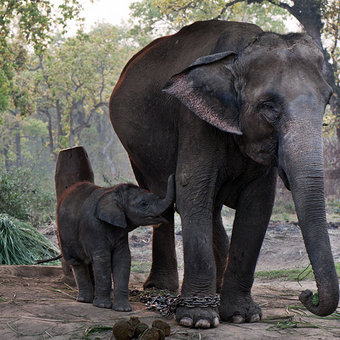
32, 22
34, 19
74, 80
166, 16
24, 195
60, 99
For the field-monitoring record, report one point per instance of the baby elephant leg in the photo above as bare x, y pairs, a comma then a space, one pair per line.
84, 282
102, 280
121, 262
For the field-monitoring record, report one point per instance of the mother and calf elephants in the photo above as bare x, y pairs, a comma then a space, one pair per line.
226, 106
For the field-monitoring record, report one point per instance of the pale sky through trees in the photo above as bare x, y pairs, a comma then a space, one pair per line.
107, 11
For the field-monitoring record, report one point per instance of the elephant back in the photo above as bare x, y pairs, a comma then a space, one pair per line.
73, 165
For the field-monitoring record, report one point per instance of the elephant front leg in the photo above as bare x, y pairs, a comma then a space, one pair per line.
199, 274
195, 206
163, 274
102, 279
250, 225
121, 263
84, 283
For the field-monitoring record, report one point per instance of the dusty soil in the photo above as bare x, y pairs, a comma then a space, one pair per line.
36, 304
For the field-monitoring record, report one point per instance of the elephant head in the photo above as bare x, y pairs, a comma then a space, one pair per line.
128, 205
271, 96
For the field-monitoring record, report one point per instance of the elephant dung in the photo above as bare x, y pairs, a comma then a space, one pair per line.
123, 330
152, 334
164, 326
140, 328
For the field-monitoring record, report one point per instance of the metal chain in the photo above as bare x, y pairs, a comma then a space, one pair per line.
201, 302
167, 305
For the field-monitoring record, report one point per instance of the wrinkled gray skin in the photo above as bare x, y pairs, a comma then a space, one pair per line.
93, 225
224, 106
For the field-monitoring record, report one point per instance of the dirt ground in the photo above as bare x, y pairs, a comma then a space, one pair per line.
36, 304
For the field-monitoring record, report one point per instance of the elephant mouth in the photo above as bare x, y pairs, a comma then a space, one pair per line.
159, 220
284, 178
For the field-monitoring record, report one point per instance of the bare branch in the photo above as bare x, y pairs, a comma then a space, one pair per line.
40, 65
282, 5
87, 122
336, 34
190, 4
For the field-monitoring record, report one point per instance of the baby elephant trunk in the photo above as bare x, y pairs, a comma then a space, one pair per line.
169, 199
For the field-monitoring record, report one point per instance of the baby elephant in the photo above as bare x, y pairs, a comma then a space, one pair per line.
93, 225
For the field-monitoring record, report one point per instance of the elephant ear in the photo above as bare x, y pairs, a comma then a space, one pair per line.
206, 88
109, 210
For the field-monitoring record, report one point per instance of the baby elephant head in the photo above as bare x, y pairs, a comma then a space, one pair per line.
128, 205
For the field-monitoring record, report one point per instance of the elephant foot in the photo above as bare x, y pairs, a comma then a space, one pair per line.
85, 297
167, 281
102, 302
239, 308
197, 317
122, 306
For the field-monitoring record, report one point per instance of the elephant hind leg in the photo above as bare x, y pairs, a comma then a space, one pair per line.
84, 283
139, 176
163, 274
102, 278
220, 246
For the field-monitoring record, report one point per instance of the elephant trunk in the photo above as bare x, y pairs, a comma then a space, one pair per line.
302, 162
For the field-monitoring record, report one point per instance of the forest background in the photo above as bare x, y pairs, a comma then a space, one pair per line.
55, 87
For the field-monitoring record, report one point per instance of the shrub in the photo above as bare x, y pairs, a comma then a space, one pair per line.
21, 243
23, 195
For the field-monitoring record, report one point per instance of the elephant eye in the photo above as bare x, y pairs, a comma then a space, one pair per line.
269, 111
269, 106
143, 204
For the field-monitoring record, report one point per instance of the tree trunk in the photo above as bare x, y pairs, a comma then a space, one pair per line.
59, 126
18, 145
50, 135
6, 159
71, 135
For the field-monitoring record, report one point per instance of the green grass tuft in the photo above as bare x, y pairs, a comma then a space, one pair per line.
140, 267
315, 299
21, 243
291, 274
95, 329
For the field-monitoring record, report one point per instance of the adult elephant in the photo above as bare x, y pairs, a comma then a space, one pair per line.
226, 106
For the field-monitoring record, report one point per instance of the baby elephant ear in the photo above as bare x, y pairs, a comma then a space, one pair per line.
109, 210
206, 88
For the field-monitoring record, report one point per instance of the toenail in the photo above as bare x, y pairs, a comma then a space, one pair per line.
237, 319
187, 322
255, 318
216, 322
202, 324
